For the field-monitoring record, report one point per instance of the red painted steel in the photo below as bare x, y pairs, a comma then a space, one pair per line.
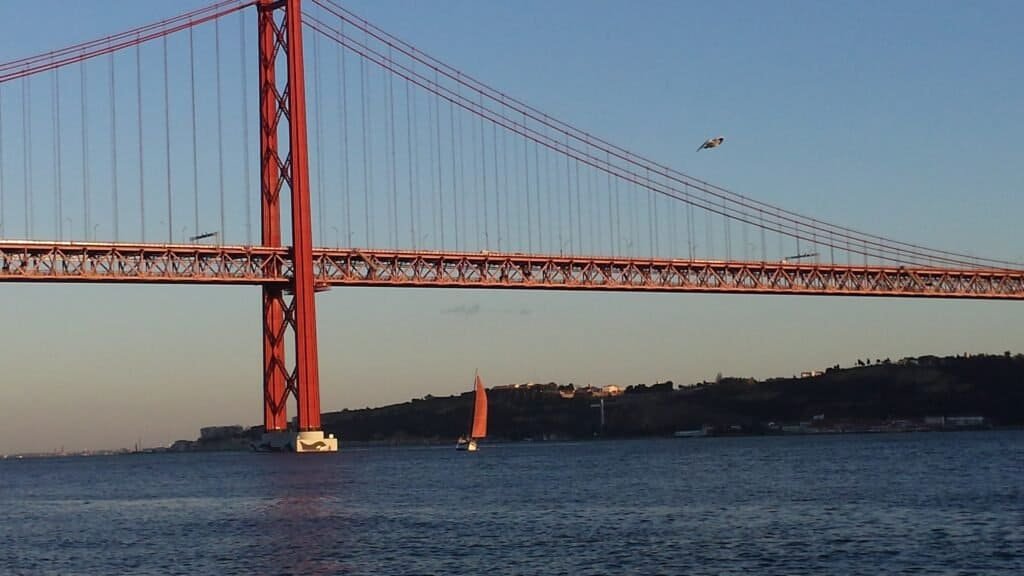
541, 272
289, 103
291, 276
275, 371
202, 264
306, 361
28, 261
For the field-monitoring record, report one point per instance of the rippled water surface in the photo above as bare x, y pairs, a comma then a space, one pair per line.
937, 503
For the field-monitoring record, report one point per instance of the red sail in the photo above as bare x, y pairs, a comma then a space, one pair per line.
480, 411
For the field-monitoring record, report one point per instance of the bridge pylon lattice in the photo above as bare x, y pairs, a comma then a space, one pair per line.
282, 98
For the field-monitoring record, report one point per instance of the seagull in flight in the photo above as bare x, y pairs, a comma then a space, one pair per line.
711, 143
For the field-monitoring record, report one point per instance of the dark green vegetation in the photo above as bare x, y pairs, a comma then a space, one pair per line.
873, 395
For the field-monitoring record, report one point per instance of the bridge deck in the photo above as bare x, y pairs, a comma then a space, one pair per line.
210, 264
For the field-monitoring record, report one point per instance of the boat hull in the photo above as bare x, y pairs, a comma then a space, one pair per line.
465, 446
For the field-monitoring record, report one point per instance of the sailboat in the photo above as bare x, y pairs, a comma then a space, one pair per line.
479, 427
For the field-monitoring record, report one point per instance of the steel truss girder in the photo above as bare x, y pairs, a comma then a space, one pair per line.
146, 263
492, 270
272, 266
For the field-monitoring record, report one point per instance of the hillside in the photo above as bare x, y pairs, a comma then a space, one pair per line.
863, 397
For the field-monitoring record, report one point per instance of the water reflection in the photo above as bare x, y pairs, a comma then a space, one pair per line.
305, 523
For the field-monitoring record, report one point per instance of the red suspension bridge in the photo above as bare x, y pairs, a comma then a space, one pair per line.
134, 158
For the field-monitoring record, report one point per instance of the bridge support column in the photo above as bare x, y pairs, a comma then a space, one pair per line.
280, 35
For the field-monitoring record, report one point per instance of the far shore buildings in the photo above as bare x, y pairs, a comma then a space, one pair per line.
568, 391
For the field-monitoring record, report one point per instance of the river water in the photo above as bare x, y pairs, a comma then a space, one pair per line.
938, 503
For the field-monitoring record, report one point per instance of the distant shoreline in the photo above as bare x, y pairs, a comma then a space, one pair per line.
366, 444
926, 393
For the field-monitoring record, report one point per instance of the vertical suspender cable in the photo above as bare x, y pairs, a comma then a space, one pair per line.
58, 165
590, 193
691, 233
505, 169
796, 237
113, 148
611, 218
247, 191
318, 134
433, 150
510, 160
526, 181
483, 170
343, 116
409, 132
652, 212
500, 183
781, 253
497, 187
26, 137
568, 199
674, 230
440, 185
366, 151
709, 236
433, 166
594, 208
371, 207
416, 169
554, 196
476, 185
568, 195
85, 155
728, 234
195, 145
617, 236
462, 181
549, 188
634, 216
764, 243
508, 191
220, 130
167, 147
536, 179
579, 212
455, 188
138, 102
389, 173
394, 163
746, 241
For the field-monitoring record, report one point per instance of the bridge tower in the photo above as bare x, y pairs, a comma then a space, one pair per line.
285, 166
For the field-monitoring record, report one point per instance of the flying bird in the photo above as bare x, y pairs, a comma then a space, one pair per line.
711, 143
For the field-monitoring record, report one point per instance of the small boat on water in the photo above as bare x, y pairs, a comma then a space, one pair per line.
699, 433
478, 429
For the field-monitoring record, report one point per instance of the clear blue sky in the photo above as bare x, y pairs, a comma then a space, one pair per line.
900, 119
